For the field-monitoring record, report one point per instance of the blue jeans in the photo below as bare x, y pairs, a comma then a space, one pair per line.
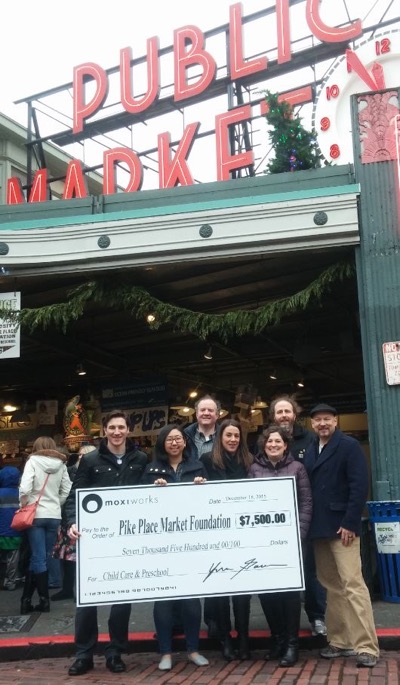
42, 537
164, 620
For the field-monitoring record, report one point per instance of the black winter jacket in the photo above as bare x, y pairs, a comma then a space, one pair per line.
233, 470
191, 467
98, 469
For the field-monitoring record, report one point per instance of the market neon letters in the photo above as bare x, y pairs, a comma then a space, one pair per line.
189, 51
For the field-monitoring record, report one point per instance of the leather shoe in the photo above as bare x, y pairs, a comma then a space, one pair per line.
115, 664
80, 667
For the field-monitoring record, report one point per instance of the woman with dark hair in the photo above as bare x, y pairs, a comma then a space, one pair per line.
230, 460
171, 464
282, 609
46, 469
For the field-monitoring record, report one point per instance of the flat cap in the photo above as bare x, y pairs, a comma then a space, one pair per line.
323, 408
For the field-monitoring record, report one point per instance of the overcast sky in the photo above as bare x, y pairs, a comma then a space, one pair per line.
41, 43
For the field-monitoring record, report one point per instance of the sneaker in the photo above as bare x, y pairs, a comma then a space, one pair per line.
332, 652
365, 660
318, 627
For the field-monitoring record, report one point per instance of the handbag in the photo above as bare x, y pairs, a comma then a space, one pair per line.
24, 517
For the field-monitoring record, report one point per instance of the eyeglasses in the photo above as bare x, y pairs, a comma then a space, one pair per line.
171, 440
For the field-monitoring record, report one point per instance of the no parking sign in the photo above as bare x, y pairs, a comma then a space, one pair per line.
391, 358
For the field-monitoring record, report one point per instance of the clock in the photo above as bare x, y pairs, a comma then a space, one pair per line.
372, 65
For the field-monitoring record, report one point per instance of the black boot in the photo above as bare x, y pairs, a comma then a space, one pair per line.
43, 592
67, 591
227, 649
278, 648
291, 654
291, 611
29, 589
241, 610
243, 646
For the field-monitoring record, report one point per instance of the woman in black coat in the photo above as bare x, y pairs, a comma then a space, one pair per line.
172, 465
230, 460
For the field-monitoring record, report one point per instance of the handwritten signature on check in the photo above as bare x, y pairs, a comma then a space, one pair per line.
250, 564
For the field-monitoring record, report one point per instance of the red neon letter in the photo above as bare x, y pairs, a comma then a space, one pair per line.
283, 28
39, 187
153, 79
194, 56
238, 67
75, 185
326, 33
81, 110
121, 154
15, 194
176, 171
225, 161
38, 193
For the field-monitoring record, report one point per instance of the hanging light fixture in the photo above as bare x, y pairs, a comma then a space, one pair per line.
273, 375
80, 370
208, 353
9, 408
300, 383
259, 404
223, 413
182, 409
193, 394
150, 318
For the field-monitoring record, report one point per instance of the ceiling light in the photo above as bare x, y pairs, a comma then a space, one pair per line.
182, 409
223, 413
259, 404
300, 384
9, 407
273, 375
80, 370
186, 411
208, 354
193, 394
150, 318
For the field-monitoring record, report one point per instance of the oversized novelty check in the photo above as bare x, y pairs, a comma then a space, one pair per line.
185, 540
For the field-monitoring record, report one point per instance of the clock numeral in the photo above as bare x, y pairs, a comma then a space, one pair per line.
382, 47
332, 91
325, 123
334, 151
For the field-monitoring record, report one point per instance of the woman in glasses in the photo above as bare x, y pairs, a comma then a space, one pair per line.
171, 464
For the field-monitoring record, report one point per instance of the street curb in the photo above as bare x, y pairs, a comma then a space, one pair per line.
61, 646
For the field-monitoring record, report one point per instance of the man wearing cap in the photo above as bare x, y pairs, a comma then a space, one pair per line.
338, 473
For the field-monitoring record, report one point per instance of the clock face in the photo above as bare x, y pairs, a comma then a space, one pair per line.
372, 65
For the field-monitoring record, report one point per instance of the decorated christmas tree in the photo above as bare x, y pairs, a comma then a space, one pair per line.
295, 148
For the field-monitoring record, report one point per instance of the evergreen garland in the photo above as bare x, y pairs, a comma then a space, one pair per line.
295, 148
138, 302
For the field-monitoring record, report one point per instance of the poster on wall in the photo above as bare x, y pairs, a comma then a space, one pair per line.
146, 421
9, 329
46, 411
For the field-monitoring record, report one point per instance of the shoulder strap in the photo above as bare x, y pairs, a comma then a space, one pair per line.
42, 490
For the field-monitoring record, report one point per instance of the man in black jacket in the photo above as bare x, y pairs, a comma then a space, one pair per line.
116, 462
284, 411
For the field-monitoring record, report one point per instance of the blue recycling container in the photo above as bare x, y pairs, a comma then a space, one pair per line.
387, 539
